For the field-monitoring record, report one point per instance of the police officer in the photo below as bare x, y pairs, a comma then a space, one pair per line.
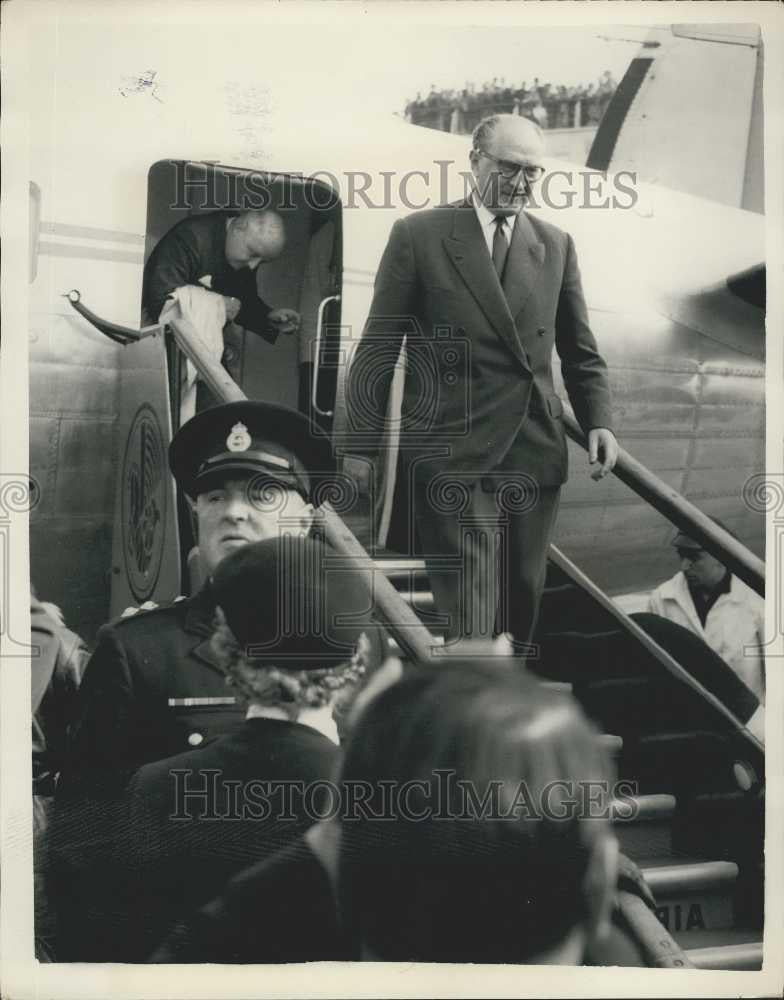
153, 688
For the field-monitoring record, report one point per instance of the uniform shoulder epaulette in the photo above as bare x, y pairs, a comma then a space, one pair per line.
145, 614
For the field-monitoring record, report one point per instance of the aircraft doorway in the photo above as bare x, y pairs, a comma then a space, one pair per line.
306, 278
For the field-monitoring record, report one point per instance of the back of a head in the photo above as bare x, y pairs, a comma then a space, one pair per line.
486, 780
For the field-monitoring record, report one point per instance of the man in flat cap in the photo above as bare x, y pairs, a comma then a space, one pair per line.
706, 598
153, 688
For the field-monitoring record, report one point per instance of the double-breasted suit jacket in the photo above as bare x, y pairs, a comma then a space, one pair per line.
497, 400
479, 394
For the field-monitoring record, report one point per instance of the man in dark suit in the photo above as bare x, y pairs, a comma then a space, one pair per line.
221, 251
483, 291
152, 687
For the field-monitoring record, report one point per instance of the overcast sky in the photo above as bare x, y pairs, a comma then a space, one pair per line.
394, 68
383, 67
366, 65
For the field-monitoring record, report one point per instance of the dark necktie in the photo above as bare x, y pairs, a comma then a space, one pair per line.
500, 246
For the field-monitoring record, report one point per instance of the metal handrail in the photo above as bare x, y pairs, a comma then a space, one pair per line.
317, 351
123, 335
660, 949
683, 514
410, 634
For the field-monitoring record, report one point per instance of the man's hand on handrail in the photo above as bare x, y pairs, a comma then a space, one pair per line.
602, 448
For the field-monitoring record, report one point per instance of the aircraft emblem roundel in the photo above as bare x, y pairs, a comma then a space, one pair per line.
143, 503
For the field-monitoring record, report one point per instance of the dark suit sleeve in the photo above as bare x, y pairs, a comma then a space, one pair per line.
102, 741
173, 263
583, 368
254, 312
390, 317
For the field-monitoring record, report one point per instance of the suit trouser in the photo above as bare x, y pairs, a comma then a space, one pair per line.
487, 561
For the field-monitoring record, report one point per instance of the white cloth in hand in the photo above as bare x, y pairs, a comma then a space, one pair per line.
206, 312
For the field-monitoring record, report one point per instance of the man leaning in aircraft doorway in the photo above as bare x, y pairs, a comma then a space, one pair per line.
205, 269
508, 283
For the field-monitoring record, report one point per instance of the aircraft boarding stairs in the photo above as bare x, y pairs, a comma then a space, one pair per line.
698, 831
697, 774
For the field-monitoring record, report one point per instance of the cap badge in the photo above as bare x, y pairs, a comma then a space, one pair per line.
239, 439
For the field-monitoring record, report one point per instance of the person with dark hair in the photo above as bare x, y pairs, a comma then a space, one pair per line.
705, 597
507, 865
465, 834
290, 639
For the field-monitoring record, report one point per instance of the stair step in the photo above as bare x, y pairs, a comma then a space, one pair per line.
736, 957
401, 569
558, 686
407, 568
667, 880
738, 948
612, 744
640, 705
419, 600
736, 821
643, 824
681, 761
693, 895
422, 604
395, 650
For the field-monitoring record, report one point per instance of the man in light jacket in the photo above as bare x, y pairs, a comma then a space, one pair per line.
706, 598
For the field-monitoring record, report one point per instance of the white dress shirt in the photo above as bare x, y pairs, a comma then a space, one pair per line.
487, 222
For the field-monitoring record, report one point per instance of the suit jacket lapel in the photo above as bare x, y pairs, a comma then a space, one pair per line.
468, 252
199, 617
523, 264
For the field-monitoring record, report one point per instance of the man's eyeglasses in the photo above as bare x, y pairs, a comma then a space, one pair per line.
509, 170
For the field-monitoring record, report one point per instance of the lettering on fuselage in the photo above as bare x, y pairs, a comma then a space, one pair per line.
681, 917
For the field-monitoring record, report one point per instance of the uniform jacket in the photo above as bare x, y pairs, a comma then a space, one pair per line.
182, 828
193, 249
141, 665
479, 379
134, 695
734, 628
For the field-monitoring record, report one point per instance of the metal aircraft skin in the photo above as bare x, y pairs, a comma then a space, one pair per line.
688, 114
684, 348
